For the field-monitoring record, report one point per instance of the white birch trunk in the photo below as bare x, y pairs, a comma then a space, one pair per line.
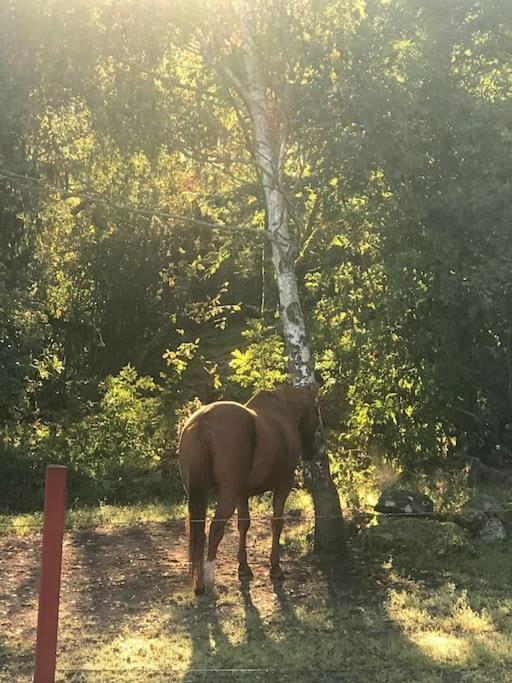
270, 149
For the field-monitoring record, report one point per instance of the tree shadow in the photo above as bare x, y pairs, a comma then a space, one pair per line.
325, 622
126, 571
297, 643
330, 622
16, 663
451, 586
19, 575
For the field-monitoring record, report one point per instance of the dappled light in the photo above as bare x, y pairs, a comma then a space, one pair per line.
126, 608
444, 647
255, 261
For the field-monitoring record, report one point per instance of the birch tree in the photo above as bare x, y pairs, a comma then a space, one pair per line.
267, 105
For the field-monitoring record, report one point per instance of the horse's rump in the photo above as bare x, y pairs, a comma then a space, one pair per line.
226, 436
215, 451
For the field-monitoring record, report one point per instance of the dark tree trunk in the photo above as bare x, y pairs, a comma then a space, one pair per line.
329, 536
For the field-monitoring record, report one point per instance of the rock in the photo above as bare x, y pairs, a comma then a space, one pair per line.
477, 510
394, 501
492, 531
482, 515
417, 537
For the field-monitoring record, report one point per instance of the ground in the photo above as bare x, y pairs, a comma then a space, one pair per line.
127, 613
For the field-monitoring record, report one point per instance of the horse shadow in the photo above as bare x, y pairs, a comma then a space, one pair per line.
271, 650
214, 656
360, 640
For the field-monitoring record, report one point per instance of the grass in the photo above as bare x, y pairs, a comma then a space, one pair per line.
415, 633
119, 515
421, 603
95, 517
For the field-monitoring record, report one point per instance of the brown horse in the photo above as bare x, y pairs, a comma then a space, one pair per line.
241, 451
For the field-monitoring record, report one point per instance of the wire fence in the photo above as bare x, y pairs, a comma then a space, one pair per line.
335, 674
356, 626
310, 672
17, 524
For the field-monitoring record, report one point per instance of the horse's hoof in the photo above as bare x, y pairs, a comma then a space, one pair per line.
276, 574
245, 572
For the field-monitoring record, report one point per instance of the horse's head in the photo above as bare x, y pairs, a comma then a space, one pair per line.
302, 401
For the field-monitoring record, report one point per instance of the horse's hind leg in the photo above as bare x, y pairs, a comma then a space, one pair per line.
225, 509
280, 496
244, 522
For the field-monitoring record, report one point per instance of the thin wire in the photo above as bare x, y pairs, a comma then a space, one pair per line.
388, 667
20, 526
356, 629
365, 513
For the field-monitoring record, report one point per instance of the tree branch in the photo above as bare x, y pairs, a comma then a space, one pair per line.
87, 198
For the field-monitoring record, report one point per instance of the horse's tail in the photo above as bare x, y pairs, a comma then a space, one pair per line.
197, 503
196, 470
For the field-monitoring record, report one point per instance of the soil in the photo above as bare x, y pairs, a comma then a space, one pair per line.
109, 573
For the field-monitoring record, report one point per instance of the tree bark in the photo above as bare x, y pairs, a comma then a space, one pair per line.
270, 137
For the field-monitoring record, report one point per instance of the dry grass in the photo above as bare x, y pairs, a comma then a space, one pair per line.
127, 614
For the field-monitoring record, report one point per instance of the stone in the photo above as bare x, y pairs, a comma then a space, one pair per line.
492, 531
477, 510
483, 516
394, 501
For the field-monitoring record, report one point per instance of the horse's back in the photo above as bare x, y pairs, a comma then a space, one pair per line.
217, 441
276, 454
224, 420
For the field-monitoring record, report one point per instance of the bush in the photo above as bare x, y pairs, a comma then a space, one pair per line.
110, 451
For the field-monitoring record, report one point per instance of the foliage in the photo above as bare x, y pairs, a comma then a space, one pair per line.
401, 275
262, 363
131, 219
109, 449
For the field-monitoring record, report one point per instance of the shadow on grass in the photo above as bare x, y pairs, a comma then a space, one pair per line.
447, 592
127, 570
347, 623
299, 643
16, 663
381, 620
18, 598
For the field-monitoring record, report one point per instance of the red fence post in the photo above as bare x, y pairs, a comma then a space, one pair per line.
49, 586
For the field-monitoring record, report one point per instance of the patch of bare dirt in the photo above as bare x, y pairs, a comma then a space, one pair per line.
111, 573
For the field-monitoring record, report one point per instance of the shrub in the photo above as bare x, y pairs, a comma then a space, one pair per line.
108, 450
